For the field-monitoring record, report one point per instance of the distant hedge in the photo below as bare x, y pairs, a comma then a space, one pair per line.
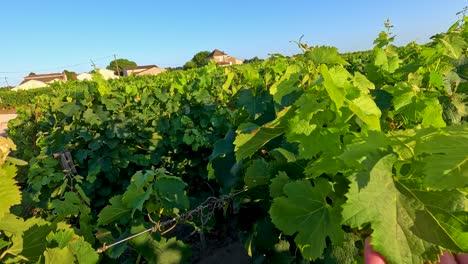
12, 99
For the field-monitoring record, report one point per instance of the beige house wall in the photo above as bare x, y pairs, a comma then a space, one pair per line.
132, 72
84, 76
150, 71
105, 73
222, 58
226, 60
32, 84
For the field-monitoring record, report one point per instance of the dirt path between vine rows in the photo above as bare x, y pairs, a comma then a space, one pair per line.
4, 122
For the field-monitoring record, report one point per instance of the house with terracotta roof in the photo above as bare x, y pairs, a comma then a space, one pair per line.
222, 59
143, 70
34, 81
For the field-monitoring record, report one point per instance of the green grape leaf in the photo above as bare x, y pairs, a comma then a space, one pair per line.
83, 251
286, 85
3, 244
58, 255
339, 88
360, 148
227, 84
446, 166
367, 110
69, 109
278, 183
324, 164
281, 153
454, 46
13, 227
113, 212
16, 161
69, 206
247, 144
139, 191
440, 217
327, 140
91, 118
332, 80
360, 81
403, 94
387, 63
306, 211
436, 79
325, 55
170, 192
167, 251
10, 193
103, 86
307, 107
257, 173
224, 146
34, 237
59, 238
255, 104
82, 194
385, 208
96, 115
135, 196
222, 165
432, 113
27, 237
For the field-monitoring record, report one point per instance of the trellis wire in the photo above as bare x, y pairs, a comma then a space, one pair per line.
212, 203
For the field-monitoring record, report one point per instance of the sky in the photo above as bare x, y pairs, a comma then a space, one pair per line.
50, 36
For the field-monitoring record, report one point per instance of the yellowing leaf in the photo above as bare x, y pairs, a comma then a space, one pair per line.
9, 191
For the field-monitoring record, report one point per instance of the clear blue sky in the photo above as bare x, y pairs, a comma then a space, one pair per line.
43, 36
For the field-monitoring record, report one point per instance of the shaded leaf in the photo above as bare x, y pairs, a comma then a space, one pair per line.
306, 212
248, 144
113, 212
257, 174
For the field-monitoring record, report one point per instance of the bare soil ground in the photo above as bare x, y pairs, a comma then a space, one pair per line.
4, 122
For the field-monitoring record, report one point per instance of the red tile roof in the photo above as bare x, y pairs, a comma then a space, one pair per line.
45, 77
216, 52
140, 67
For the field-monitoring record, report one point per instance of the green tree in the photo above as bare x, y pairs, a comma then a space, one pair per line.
121, 63
70, 75
253, 60
190, 65
200, 59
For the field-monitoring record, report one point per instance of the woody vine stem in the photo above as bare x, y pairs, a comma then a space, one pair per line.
209, 205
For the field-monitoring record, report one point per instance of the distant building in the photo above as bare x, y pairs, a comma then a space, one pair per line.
40, 80
84, 76
105, 73
222, 59
143, 70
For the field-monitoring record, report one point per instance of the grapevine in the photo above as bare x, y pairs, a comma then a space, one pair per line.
329, 151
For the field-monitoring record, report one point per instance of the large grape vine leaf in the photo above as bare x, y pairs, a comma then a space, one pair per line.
390, 214
445, 157
306, 211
